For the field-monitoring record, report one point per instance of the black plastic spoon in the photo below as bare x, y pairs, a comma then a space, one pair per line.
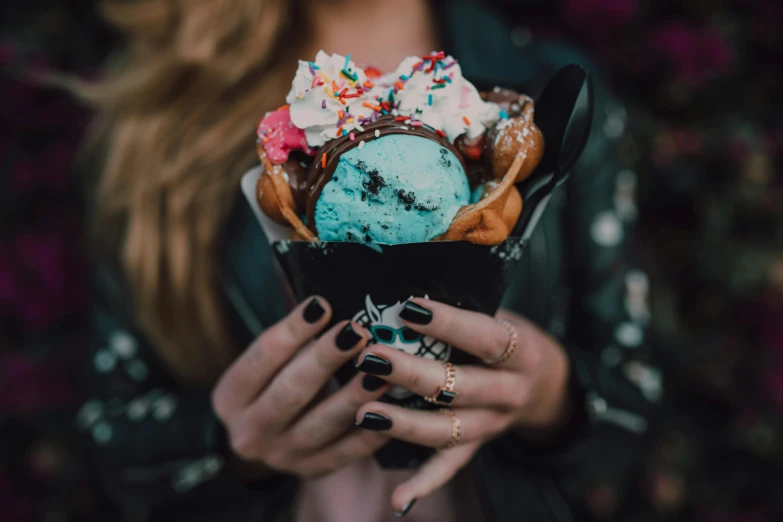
564, 113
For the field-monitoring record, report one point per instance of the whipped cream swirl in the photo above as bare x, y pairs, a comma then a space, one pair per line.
442, 98
318, 108
332, 96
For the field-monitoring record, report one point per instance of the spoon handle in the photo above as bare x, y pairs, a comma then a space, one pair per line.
564, 114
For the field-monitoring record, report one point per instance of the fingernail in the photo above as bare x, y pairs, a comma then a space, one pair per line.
374, 365
313, 311
415, 313
408, 506
347, 338
375, 422
372, 383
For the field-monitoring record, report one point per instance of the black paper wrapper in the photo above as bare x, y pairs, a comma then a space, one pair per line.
371, 283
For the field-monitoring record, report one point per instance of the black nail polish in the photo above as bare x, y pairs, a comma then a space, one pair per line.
313, 311
415, 313
372, 383
400, 514
347, 338
375, 422
374, 365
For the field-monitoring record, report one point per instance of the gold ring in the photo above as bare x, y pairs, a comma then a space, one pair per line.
456, 428
512, 344
445, 395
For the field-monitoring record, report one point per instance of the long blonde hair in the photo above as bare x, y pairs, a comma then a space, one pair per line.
178, 112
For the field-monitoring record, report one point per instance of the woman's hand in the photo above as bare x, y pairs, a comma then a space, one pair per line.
528, 392
266, 399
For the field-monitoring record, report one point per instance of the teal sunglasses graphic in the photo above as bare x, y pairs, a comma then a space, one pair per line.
387, 335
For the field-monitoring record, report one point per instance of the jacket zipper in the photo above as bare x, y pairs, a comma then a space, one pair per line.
538, 287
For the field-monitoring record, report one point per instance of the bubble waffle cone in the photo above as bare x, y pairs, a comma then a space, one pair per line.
276, 200
491, 220
517, 135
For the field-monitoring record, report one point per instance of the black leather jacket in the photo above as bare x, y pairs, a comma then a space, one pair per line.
157, 446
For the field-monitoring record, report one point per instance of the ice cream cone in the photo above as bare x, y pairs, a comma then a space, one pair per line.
490, 221
515, 136
276, 200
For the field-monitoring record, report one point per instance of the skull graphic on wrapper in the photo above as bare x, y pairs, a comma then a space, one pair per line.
384, 322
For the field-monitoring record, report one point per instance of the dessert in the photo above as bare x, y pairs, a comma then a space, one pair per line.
412, 156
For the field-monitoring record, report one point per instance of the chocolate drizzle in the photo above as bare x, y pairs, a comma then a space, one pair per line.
308, 190
307, 181
297, 167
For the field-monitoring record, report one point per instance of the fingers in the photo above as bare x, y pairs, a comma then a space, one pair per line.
475, 386
254, 369
475, 333
335, 415
430, 428
432, 475
304, 376
355, 446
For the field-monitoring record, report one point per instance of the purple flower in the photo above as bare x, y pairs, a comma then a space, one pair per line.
597, 18
42, 277
31, 386
693, 54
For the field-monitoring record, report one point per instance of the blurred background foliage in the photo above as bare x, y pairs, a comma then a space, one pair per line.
699, 130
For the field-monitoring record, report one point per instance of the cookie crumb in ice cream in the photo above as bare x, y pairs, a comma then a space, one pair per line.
376, 181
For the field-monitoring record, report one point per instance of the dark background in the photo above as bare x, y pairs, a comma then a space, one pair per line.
699, 129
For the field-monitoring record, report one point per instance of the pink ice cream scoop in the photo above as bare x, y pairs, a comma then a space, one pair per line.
280, 136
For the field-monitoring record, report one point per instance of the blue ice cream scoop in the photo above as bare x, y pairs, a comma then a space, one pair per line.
398, 188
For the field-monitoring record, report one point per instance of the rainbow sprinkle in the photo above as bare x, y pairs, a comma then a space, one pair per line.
429, 99
323, 160
350, 75
503, 115
347, 61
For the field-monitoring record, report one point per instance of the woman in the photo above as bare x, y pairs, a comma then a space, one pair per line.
206, 390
